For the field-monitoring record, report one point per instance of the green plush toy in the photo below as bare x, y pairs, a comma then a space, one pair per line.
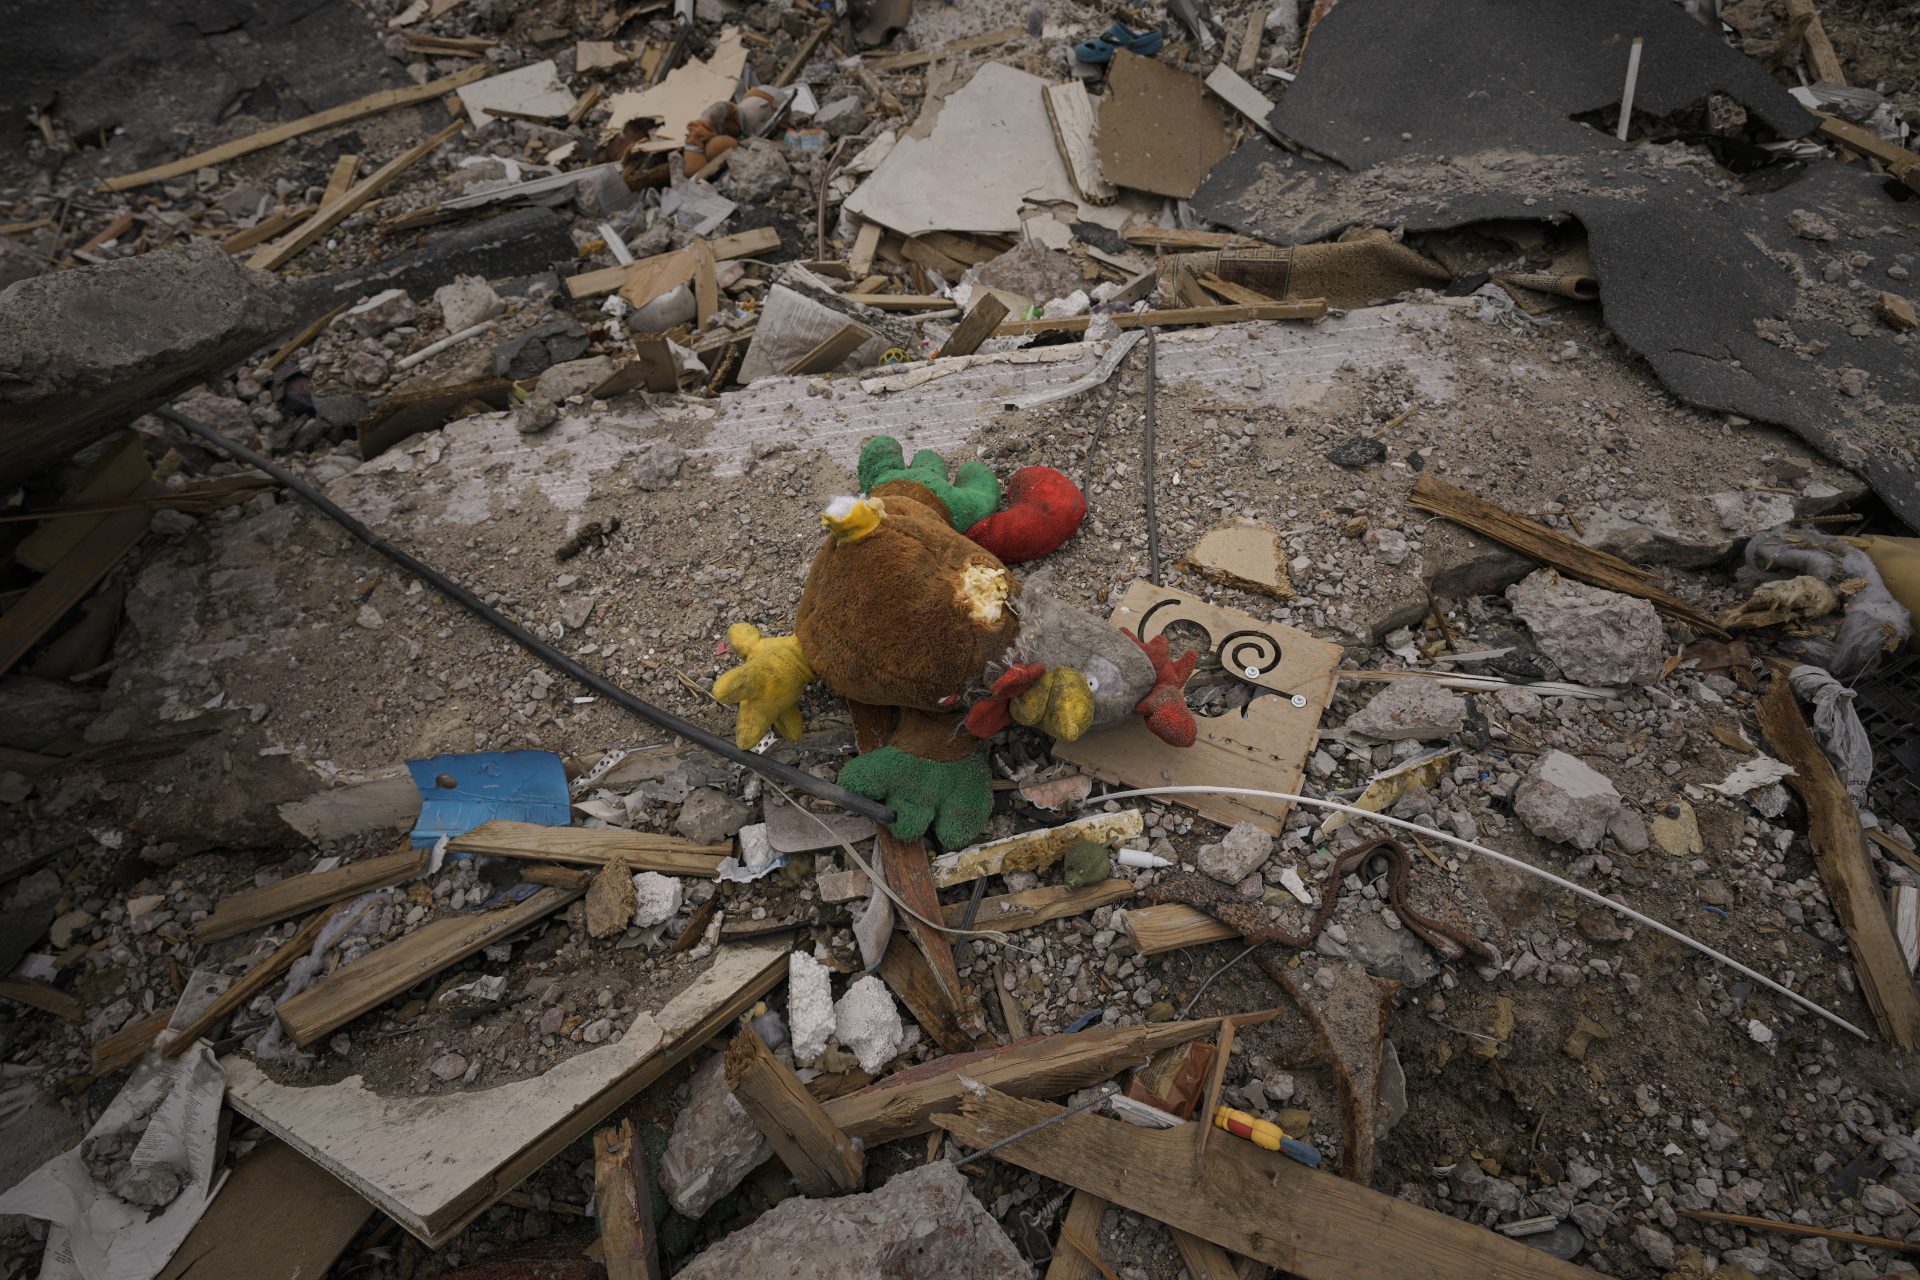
970, 496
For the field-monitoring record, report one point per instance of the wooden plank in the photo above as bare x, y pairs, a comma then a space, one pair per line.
866, 242
974, 250
594, 847
1248, 60
1297, 309
623, 1204
976, 326
379, 976
249, 985
1222, 1049
1552, 548
1203, 1259
278, 1217
313, 329
706, 289
902, 301
905, 971
437, 1162
1070, 109
127, 1045
44, 996
1010, 912
294, 895
119, 226
1839, 851
1821, 58
1251, 1201
917, 250
742, 244
822, 1159
1079, 1230
904, 1103
833, 350
1172, 238
921, 57
1168, 926
370, 105
69, 582
802, 53
1231, 292
265, 229
118, 474
1900, 162
332, 215
340, 180
1244, 98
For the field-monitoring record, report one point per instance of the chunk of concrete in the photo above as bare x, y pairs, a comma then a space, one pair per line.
708, 816
925, 1224
758, 171
1240, 853
83, 352
1419, 710
1565, 800
809, 1006
388, 309
866, 1022
1595, 636
714, 1143
468, 301
656, 898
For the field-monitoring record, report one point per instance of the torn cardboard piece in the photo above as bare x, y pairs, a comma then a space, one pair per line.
686, 92
1158, 131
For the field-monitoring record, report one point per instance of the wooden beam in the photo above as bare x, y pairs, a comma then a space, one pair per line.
265, 229
706, 287
294, 895
623, 1203
250, 984
1249, 1200
1298, 309
128, 1045
44, 996
866, 243
901, 301
332, 215
921, 57
1248, 60
1010, 912
1081, 1227
904, 1103
1900, 162
1552, 548
113, 478
1203, 1259
1169, 926
1222, 1048
382, 974
741, 244
593, 847
370, 105
975, 327
1839, 851
905, 971
1821, 58
340, 180
833, 350
822, 1159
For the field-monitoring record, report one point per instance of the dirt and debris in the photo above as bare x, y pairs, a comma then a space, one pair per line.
526, 302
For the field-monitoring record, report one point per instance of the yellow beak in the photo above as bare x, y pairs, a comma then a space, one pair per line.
851, 519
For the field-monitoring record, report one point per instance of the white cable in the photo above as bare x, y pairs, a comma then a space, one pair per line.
1497, 856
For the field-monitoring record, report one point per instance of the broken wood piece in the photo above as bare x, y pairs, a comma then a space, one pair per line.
332, 215
127, 1045
1552, 548
802, 52
921, 57
919, 251
1079, 1231
1247, 61
1822, 61
833, 350
370, 105
436, 1163
901, 301
1033, 850
1839, 851
822, 1159
1296, 309
1231, 88
294, 895
44, 996
252, 983
1203, 1259
1169, 926
405, 414
1332, 1229
116, 475
70, 581
1010, 912
1246, 555
1222, 1049
1900, 162
563, 877
1228, 291
1070, 109
593, 847
743, 244
1798, 1229
121, 224
706, 288
265, 229
623, 1203
945, 1020
902, 1104
312, 330
587, 102
975, 327
340, 180
384, 973
866, 243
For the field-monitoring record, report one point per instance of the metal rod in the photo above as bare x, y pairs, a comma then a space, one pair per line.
1153, 520
1085, 1104
762, 765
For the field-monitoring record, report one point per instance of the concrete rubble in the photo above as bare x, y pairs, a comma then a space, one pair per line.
714, 1143
1593, 636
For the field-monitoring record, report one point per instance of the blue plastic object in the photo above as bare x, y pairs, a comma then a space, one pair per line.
461, 792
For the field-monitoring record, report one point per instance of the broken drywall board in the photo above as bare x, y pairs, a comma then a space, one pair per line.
533, 90
385, 800
686, 92
278, 1215
1265, 746
1070, 108
1159, 132
1245, 554
1734, 312
432, 1163
990, 152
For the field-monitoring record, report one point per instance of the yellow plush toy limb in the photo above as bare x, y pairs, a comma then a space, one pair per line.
1058, 704
766, 686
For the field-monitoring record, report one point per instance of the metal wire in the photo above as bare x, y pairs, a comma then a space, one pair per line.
1153, 518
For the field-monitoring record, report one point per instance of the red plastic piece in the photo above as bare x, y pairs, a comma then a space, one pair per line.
1165, 706
1044, 508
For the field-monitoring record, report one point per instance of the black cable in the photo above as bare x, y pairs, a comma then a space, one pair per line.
1153, 520
784, 774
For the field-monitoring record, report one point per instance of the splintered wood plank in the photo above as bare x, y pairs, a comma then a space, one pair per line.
1203, 1259
379, 976
904, 1103
1248, 60
1839, 850
273, 903
1901, 163
1009, 912
1168, 926
437, 1162
1552, 548
340, 180
1249, 1200
128, 1045
741, 244
904, 969
370, 105
1079, 1231
1297, 309
593, 847
1070, 108
866, 243
255, 980
919, 251
332, 215
44, 996
623, 1203
975, 327
833, 350
822, 1159
1821, 58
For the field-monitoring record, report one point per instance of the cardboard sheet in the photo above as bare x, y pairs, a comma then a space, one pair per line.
686, 92
1159, 131
279, 1217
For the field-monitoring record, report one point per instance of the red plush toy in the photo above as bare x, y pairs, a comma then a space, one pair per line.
1043, 510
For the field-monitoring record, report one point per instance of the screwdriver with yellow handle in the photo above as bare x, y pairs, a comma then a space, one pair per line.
1265, 1133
